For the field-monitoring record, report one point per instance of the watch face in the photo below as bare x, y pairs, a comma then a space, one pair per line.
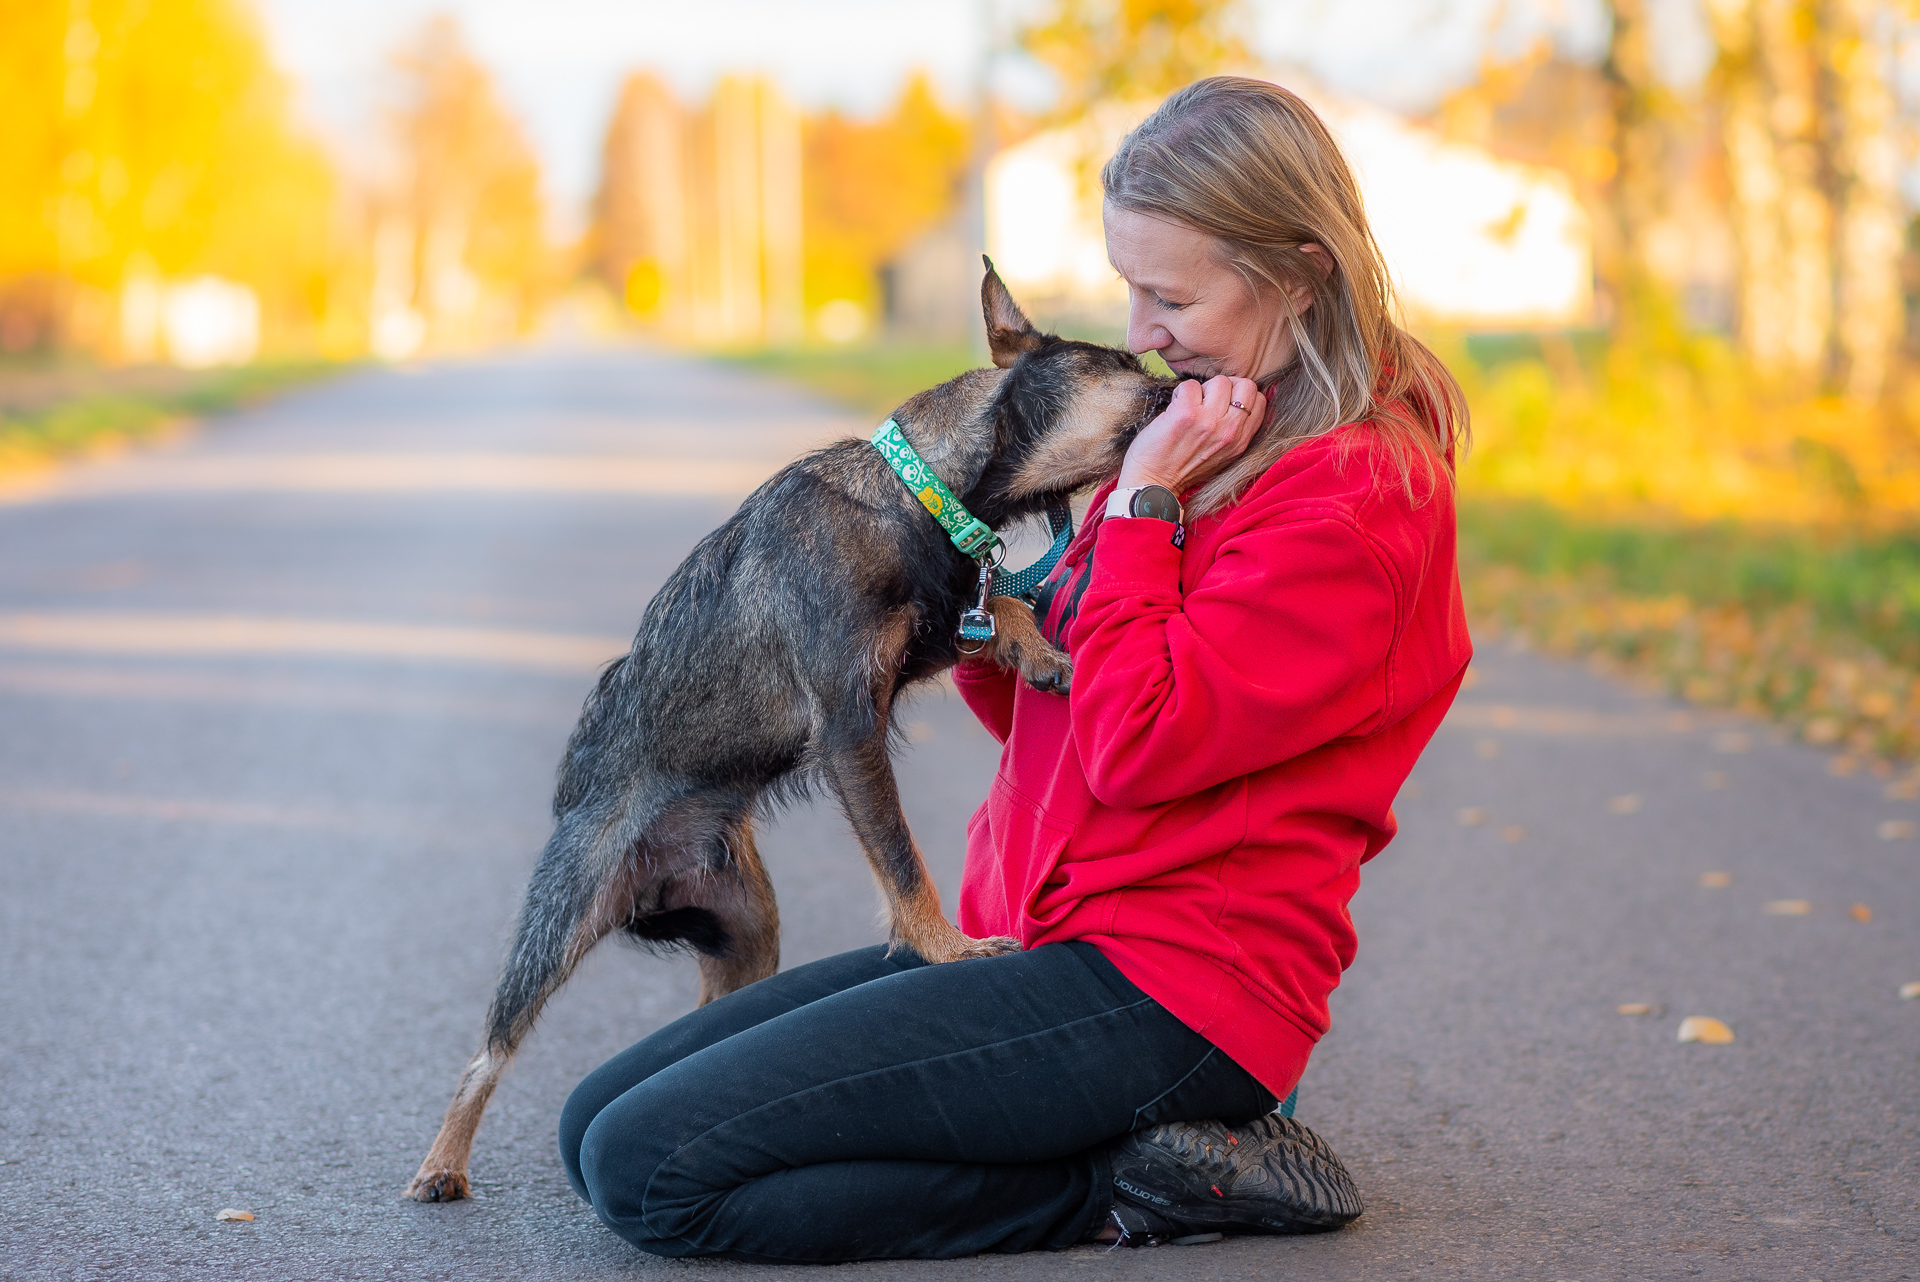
1158, 502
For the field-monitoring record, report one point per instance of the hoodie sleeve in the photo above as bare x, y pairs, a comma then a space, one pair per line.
1278, 649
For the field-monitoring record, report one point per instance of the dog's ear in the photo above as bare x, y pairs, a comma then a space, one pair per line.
1009, 332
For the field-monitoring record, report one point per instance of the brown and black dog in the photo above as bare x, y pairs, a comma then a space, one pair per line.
768, 665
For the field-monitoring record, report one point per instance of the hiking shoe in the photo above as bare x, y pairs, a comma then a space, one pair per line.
1190, 1180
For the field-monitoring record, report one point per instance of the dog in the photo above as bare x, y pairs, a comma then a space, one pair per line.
769, 664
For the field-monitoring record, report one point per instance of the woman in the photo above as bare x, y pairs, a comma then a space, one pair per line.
1265, 621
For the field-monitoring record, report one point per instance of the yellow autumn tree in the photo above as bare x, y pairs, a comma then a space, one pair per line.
150, 137
1133, 50
461, 240
871, 186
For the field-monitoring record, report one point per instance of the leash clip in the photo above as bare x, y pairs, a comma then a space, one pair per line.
976, 625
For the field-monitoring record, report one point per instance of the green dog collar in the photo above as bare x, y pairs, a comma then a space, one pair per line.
970, 534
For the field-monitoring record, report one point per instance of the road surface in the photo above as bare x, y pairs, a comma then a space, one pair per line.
279, 711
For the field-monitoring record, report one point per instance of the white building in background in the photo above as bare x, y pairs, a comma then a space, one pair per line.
195, 324
1471, 239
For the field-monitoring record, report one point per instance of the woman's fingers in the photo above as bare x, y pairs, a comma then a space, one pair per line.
1201, 431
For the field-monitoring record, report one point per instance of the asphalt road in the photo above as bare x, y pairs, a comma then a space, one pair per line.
279, 710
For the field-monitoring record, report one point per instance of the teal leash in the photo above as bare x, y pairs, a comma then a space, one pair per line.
970, 534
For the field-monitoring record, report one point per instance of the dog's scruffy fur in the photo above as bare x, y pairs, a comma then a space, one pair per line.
769, 663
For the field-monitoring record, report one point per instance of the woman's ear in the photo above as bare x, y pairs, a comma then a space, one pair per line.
1300, 293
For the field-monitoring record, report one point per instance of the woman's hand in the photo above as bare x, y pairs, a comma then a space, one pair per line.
1198, 434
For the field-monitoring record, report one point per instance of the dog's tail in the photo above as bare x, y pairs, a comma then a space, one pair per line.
578, 894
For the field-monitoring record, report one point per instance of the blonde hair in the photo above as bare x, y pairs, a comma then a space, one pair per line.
1253, 166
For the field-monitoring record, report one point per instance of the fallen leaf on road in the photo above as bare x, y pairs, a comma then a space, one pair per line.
1902, 790
1716, 880
1699, 1028
1714, 780
1731, 741
1910, 992
1503, 717
1472, 815
1635, 1008
1896, 830
231, 1214
1842, 766
1512, 832
1624, 805
1788, 908
1860, 912
1487, 749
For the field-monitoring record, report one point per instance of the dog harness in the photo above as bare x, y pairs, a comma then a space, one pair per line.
971, 535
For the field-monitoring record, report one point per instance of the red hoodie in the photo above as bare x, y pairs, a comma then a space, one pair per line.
1244, 709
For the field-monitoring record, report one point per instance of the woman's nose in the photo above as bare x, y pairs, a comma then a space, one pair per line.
1143, 335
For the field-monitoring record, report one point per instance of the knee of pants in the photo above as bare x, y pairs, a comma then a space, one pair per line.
616, 1162
581, 1108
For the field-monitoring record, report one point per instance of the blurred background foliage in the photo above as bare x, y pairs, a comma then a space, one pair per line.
1702, 467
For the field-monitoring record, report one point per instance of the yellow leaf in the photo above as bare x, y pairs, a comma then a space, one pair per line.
1896, 830
1700, 1028
1635, 1008
1860, 912
1716, 880
1789, 908
1624, 805
231, 1214
1910, 992
1512, 832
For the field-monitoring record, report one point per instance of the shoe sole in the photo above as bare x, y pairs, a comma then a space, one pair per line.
1314, 1191
1321, 1193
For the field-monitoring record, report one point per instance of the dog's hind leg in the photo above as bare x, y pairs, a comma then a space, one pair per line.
744, 903
860, 772
567, 911
725, 912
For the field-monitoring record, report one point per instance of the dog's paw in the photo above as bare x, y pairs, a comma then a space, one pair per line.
991, 946
965, 948
438, 1186
947, 944
1049, 671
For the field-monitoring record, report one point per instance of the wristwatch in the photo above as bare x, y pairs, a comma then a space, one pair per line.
1156, 501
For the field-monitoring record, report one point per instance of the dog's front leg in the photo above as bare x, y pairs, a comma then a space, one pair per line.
1017, 644
860, 771
862, 777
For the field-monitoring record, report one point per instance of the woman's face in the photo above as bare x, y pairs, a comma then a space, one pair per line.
1185, 302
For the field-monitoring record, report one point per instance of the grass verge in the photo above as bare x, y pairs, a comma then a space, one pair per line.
1813, 628
99, 410
874, 379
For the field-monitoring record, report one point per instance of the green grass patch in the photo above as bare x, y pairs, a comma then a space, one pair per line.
89, 417
874, 379
1865, 584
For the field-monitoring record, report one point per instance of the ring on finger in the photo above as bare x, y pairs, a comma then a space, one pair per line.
1237, 405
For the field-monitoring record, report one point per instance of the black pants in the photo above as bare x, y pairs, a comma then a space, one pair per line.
875, 1107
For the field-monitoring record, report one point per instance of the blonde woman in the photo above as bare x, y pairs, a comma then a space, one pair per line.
1264, 615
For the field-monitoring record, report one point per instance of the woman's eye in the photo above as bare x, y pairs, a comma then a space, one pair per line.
1170, 306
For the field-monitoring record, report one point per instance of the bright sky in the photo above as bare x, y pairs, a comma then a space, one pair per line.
560, 62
